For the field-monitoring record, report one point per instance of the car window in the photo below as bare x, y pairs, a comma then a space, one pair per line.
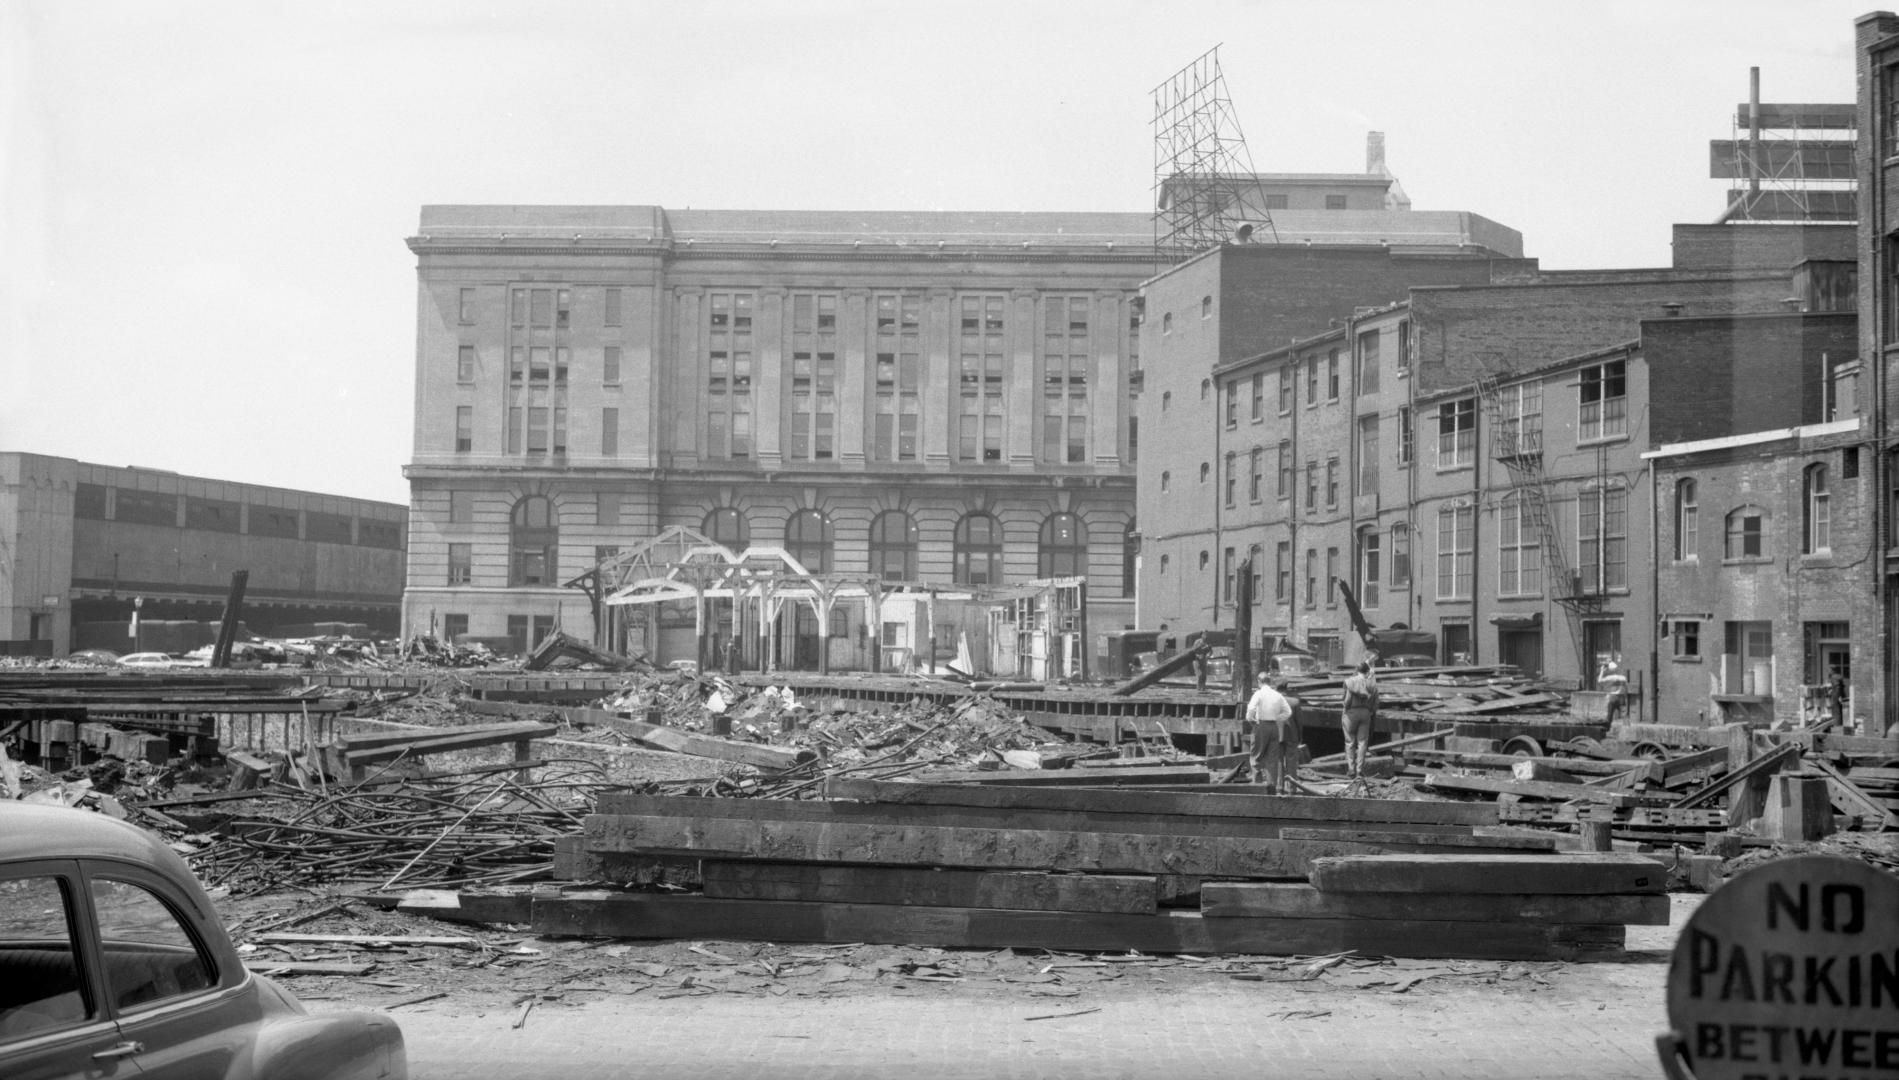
40, 986
149, 955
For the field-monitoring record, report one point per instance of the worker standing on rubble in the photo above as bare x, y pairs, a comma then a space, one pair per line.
1358, 708
1275, 736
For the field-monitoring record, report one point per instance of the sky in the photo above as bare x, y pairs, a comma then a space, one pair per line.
203, 205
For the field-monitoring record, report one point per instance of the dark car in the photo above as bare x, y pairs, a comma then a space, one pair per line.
112, 964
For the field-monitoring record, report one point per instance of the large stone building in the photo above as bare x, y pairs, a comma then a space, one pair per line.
934, 398
82, 544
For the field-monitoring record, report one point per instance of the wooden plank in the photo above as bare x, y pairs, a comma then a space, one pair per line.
760, 755
463, 740
649, 916
1396, 839
1765, 765
1849, 797
974, 848
1068, 777
1282, 900
1535, 789
1503, 704
1028, 891
1686, 765
1156, 802
1579, 766
299, 967
367, 939
397, 738
1589, 873
1393, 744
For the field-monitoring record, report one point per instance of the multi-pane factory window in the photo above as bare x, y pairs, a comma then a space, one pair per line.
896, 377
980, 344
813, 377
89, 501
464, 428
1065, 363
1369, 579
977, 550
212, 515
1602, 538
893, 546
1604, 412
729, 375
1062, 550
461, 563
1456, 433
277, 521
1519, 550
146, 507
1455, 555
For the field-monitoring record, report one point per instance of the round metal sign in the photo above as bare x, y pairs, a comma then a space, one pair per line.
1791, 970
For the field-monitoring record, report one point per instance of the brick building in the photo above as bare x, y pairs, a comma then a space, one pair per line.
80, 542
1877, 62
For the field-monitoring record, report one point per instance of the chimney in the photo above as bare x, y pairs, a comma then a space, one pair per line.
1672, 308
1375, 154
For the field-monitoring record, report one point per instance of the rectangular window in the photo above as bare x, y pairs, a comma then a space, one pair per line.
729, 375
1285, 470
277, 521
610, 308
1065, 362
1312, 577
467, 312
1232, 478
461, 563
1686, 636
563, 302
1402, 361
1285, 389
465, 364
1331, 577
1335, 202
1256, 474
1370, 577
1256, 562
896, 374
145, 507
1282, 570
1368, 362
1455, 557
1331, 483
537, 431
609, 433
1312, 381
981, 347
606, 509
1276, 200
1332, 375
329, 528
1519, 431
1602, 539
461, 507
89, 501
1400, 557
464, 428
1519, 551
1407, 436
518, 633
212, 515
1368, 455
1604, 402
1312, 487
1457, 433
1228, 567
1259, 397
454, 625
610, 366
1232, 405
514, 430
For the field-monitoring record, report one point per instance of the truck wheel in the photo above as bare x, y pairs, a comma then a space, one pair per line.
1651, 751
1523, 746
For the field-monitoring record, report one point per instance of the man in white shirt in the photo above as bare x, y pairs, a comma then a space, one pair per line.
1275, 736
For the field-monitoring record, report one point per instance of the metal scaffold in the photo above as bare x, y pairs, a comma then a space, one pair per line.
1205, 191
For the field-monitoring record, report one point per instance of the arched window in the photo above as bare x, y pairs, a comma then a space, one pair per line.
1130, 555
533, 540
808, 538
893, 546
1817, 531
1746, 534
727, 526
978, 550
1063, 550
1687, 520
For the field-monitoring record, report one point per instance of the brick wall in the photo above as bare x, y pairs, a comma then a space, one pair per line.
1730, 376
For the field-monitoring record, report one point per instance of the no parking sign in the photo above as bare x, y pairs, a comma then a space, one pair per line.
1790, 971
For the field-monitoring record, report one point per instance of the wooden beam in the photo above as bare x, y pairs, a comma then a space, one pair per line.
1159, 803
1501, 704
1027, 891
1132, 777
760, 755
415, 747
1535, 789
1279, 900
1766, 765
1587, 873
1409, 740
1401, 840
974, 848
1850, 797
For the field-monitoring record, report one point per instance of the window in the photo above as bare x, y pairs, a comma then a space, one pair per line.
461, 563
1312, 577
1206, 389
1368, 362
1312, 487
1163, 562
1167, 399
1206, 472
1256, 473
213, 515
461, 507
1519, 551
1849, 463
1332, 375
1402, 361
379, 534
1602, 539
1065, 362
813, 377
1282, 570
35, 915
465, 364
1335, 202
560, 431
1232, 405
1229, 575
1604, 402
1203, 560
534, 537
454, 625
1130, 556
896, 376
1331, 577
1687, 521
1369, 571
1166, 479
467, 307
610, 307
1285, 388
1519, 414
329, 528
1256, 566
1817, 529
729, 375
809, 539
610, 366
1285, 469
1232, 477
1331, 483
563, 304
154, 956
1455, 556
1746, 534
1206, 307
1686, 634
1406, 435
978, 550
1368, 455
606, 508
1401, 556
89, 501
1456, 433
464, 428
893, 546
1312, 381
981, 346
1259, 397
518, 633
609, 432
145, 507
728, 527
1167, 322
1276, 200
1134, 434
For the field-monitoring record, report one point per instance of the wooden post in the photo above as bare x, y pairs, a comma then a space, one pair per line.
1594, 834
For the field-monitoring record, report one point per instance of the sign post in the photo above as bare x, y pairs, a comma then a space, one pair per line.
1789, 970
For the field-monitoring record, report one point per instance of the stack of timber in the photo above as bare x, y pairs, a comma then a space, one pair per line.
1097, 869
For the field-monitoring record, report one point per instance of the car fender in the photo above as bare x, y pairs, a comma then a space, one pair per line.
328, 1046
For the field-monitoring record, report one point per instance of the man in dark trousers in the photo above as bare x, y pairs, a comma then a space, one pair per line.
1360, 705
1275, 736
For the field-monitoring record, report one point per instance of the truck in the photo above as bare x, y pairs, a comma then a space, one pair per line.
1397, 646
